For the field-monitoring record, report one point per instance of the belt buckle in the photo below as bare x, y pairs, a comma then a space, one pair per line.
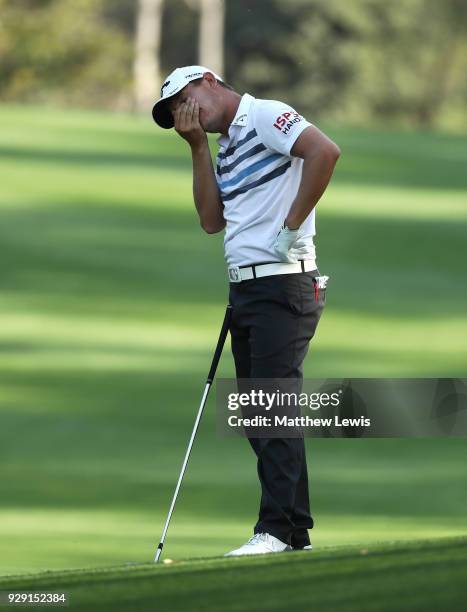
234, 274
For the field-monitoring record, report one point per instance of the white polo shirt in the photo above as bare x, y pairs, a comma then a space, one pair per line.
258, 180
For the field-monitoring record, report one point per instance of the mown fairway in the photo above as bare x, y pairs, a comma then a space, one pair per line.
110, 302
411, 577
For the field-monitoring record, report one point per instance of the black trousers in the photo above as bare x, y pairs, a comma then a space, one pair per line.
273, 321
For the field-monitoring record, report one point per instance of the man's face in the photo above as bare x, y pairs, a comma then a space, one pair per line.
206, 93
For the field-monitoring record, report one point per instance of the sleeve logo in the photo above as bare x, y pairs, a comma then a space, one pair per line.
285, 121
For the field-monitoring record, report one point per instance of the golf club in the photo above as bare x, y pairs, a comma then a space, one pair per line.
210, 378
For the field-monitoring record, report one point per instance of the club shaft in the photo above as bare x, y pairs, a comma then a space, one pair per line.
182, 471
212, 373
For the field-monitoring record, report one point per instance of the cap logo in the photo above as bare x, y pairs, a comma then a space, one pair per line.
163, 86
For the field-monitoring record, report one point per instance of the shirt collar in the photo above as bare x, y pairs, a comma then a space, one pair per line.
240, 119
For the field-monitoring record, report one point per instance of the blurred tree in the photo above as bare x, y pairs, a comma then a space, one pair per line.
62, 51
402, 60
211, 35
360, 61
147, 79
414, 62
179, 35
210, 15
302, 49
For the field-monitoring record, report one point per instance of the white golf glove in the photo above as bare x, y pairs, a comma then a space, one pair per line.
288, 245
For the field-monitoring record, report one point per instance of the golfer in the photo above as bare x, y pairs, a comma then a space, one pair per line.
271, 170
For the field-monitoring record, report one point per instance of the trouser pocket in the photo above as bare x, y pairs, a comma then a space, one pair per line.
302, 293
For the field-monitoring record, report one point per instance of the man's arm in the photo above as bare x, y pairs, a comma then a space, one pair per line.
205, 190
319, 154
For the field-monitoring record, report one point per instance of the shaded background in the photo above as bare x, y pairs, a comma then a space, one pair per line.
111, 296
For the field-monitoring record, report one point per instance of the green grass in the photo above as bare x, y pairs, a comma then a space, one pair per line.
110, 302
406, 576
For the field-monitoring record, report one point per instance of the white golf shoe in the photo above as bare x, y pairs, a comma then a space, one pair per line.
260, 544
